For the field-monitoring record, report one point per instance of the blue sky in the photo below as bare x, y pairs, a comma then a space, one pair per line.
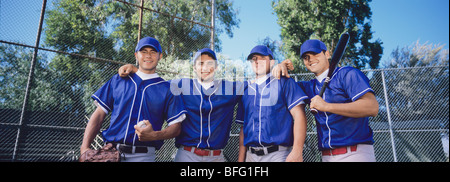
398, 23
403, 22
395, 22
19, 25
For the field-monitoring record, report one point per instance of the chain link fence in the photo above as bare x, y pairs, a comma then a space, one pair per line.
412, 123
45, 99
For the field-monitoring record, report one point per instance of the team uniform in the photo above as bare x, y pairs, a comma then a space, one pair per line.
342, 138
210, 108
133, 99
268, 123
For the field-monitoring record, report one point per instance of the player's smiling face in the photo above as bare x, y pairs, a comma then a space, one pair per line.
261, 64
205, 68
316, 63
148, 59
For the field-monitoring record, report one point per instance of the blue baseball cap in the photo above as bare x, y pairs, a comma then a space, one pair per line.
148, 42
312, 45
260, 49
204, 51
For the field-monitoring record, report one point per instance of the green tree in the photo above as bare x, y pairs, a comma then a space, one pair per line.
418, 98
418, 55
411, 89
109, 30
79, 27
102, 29
178, 38
301, 20
274, 46
15, 64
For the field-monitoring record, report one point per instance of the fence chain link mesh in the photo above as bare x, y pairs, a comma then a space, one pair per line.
412, 124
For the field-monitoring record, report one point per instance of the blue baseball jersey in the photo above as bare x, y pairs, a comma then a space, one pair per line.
267, 117
346, 85
131, 100
209, 112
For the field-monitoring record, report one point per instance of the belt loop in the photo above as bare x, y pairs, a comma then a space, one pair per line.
133, 149
354, 148
190, 149
211, 153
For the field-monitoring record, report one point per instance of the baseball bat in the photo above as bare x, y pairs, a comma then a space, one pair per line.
337, 55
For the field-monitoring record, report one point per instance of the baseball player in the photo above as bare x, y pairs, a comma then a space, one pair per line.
210, 104
342, 124
137, 97
274, 125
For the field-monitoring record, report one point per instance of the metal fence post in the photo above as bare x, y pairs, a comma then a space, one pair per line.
141, 11
213, 22
389, 116
23, 117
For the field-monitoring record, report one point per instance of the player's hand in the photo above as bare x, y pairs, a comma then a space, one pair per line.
295, 157
146, 133
282, 69
83, 150
125, 70
288, 64
318, 103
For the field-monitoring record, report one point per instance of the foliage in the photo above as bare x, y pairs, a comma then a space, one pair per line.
412, 88
418, 55
15, 66
178, 38
301, 20
274, 46
104, 29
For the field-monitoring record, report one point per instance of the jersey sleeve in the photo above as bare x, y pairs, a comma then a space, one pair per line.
104, 96
174, 110
293, 93
356, 84
240, 112
304, 85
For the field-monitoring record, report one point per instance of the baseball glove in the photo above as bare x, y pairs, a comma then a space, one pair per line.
106, 154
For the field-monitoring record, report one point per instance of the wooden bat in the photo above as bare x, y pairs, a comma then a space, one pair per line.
337, 55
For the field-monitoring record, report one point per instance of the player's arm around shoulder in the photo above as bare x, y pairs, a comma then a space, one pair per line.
281, 70
299, 116
125, 70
